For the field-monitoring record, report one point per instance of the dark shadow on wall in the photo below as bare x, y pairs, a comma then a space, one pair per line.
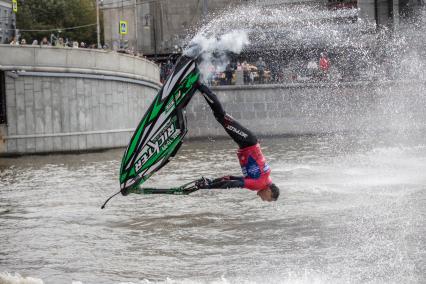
2, 98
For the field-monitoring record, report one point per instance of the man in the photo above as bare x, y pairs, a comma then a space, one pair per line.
324, 64
261, 66
246, 71
228, 74
45, 42
60, 42
253, 164
14, 41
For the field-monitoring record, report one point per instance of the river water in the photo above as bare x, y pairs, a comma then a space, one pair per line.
352, 209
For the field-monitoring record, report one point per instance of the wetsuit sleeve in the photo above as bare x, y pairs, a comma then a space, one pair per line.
227, 182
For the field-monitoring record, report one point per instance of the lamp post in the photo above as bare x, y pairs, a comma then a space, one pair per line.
14, 22
148, 19
98, 26
136, 28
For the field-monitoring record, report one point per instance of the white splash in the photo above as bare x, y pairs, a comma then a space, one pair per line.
353, 41
7, 278
214, 50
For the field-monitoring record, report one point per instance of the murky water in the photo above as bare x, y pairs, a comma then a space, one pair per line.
352, 209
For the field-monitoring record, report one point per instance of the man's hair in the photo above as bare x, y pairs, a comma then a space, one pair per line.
275, 191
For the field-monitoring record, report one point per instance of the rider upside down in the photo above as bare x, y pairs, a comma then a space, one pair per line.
256, 172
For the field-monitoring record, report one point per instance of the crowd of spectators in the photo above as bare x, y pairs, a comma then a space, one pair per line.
120, 47
57, 42
237, 72
260, 72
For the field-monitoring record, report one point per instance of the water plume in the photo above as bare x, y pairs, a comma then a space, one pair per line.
281, 34
214, 49
390, 59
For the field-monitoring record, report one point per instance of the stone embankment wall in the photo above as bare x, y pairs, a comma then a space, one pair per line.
63, 99
312, 108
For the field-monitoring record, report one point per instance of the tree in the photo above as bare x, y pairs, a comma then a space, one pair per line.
58, 15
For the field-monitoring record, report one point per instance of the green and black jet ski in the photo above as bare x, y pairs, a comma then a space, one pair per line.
162, 129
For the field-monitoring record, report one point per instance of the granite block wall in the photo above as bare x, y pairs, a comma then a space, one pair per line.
48, 114
68, 99
296, 109
61, 114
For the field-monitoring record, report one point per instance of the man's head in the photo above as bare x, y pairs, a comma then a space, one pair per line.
269, 194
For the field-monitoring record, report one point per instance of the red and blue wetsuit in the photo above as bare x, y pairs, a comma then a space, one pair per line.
253, 164
255, 169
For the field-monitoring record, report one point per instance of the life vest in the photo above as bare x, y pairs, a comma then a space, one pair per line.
254, 167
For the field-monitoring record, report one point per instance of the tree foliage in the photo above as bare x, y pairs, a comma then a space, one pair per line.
57, 14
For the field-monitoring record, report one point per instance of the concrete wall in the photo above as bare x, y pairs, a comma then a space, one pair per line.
315, 108
61, 99
83, 61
